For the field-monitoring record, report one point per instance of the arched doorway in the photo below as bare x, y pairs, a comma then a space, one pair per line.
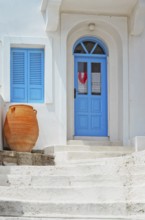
90, 88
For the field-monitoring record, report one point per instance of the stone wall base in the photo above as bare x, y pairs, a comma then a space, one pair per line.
35, 158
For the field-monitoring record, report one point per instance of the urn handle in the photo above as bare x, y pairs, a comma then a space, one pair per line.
12, 109
35, 111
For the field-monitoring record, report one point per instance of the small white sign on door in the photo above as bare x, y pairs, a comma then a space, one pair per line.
96, 83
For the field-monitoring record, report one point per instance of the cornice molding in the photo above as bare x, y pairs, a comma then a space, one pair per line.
137, 19
44, 5
51, 9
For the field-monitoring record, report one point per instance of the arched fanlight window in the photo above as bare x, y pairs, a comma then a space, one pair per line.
90, 46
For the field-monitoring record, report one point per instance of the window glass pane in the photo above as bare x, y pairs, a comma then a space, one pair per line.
89, 45
98, 50
96, 78
82, 78
79, 49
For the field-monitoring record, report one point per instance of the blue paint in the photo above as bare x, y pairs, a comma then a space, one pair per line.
91, 113
92, 39
27, 75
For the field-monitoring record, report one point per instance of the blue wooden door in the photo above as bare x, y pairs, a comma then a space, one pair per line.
90, 96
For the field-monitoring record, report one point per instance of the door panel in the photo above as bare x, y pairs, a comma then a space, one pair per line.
91, 97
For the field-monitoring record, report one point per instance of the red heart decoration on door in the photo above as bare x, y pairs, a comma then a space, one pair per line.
82, 77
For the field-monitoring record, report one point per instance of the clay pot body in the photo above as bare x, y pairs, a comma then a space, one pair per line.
21, 128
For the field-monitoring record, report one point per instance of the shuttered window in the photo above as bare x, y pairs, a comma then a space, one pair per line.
27, 75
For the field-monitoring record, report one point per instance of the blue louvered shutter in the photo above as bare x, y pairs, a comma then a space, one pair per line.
36, 75
18, 75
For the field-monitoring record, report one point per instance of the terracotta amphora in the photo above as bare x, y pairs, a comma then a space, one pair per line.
21, 128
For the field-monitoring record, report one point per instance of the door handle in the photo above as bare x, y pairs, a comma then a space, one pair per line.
74, 93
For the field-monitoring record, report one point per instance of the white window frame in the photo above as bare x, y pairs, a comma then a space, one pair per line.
28, 42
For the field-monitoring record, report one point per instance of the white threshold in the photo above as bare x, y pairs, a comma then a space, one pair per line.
98, 141
91, 138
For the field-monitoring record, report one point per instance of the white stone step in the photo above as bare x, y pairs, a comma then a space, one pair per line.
102, 168
75, 194
75, 156
86, 153
137, 193
96, 142
73, 181
73, 170
60, 181
75, 218
94, 155
65, 194
92, 148
136, 169
69, 209
80, 162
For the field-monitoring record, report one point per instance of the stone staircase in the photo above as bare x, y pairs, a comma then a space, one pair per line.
89, 182
85, 153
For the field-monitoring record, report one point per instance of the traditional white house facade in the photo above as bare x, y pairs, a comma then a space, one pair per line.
80, 63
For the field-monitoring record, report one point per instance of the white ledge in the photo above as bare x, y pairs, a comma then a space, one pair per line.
137, 18
44, 5
51, 8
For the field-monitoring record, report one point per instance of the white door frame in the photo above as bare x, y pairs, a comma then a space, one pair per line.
115, 37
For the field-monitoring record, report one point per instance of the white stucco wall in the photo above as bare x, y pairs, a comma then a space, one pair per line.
21, 18
137, 85
23, 25
1, 122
